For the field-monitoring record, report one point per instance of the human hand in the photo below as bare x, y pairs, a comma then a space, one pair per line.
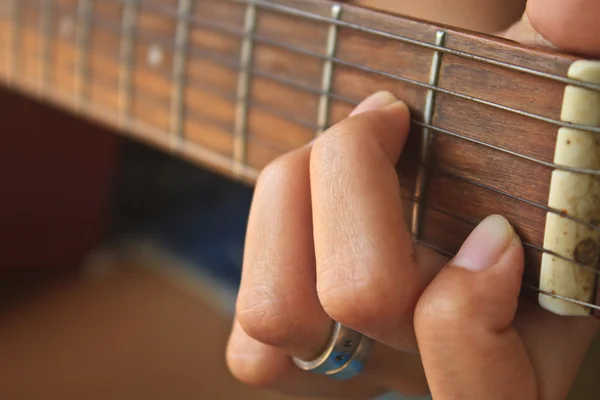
327, 241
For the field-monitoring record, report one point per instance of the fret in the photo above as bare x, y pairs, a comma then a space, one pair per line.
179, 76
127, 56
323, 110
84, 22
12, 62
426, 139
243, 89
45, 45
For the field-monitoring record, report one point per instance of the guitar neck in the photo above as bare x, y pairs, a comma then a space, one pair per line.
231, 85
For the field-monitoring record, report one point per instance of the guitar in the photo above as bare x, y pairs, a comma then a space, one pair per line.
232, 84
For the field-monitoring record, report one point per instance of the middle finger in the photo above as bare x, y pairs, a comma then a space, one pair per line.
367, 272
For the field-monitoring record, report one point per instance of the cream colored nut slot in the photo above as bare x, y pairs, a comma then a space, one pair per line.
578, 195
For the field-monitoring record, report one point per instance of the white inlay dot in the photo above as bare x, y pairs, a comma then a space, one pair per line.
155, 56
66, 26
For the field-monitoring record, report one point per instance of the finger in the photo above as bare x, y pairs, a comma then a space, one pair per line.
367, 277
277, 301
571, 26
464, 321
278, 313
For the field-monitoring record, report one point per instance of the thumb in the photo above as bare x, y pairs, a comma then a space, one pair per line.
570, 26
463, 320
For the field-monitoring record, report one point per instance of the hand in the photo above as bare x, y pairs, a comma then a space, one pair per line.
326, 241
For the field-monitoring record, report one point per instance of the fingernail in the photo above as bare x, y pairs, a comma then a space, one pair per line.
485, 245
374, 102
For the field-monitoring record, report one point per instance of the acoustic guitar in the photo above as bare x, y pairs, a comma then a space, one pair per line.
232, 84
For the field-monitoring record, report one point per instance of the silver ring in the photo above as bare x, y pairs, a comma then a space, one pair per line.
343, 357
356, 364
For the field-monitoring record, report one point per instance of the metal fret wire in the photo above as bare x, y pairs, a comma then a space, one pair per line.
327, 78
232, 64
179, 72
277, 7
311, 125
272, 6
243, 88
537, 289
45, 30
152, 99
96, 108
126, 53
196, 21
426, 138
84, 20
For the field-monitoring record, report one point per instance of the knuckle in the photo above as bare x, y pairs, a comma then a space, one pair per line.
360, 300
453, 304
264, 318
280, 171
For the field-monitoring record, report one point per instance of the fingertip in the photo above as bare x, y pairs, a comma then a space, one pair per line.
481, 285
485, 245
401, 108
375, 101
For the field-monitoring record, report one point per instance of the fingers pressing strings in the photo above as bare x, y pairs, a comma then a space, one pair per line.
284, 307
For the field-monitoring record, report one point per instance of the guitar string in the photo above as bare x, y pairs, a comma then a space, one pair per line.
437, 249
281, 8
310, 125
234, 65
523, 284
257, 38
153, 99
231, 97
203, 23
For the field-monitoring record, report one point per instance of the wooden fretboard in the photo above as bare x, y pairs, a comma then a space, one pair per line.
232, 84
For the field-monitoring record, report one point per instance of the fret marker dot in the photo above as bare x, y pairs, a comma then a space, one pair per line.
66, 26
155, 56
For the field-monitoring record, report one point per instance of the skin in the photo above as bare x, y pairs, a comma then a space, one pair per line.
345, 254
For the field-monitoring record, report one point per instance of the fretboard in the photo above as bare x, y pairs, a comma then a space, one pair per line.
233, 84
